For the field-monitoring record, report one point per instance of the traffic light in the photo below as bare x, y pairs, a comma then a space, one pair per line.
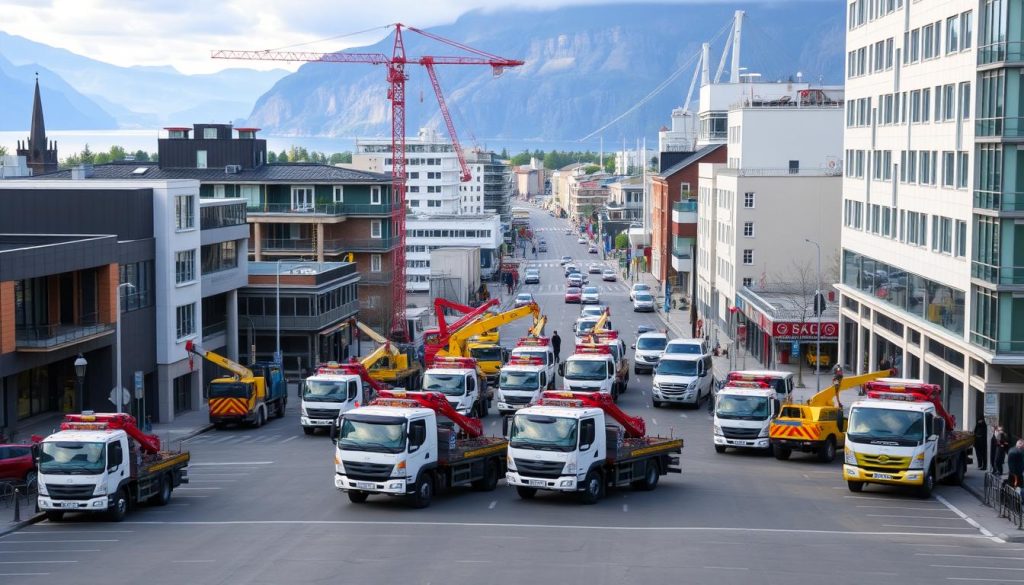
819, 303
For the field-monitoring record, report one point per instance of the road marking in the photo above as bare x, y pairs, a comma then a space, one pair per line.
6, 541
188, 487
900, 508
968, 556
192, 480
23, 574
56, 529
973, 567
473, 562
575, 527
291, 438
878, 499
980, 579
57, 550
727, 568
36, 562
625, 507
930, 527
654, 420
492, 505
969, 520
196, 561
219, 463
190, 496
205, 474
915, 517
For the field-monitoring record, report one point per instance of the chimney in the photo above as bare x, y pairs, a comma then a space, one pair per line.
83, 171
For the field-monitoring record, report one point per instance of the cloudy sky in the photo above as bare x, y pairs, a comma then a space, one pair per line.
182, 32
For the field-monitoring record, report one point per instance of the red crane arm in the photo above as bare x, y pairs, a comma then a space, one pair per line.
110, 421
428, 63
309, 56
634, 425
911, 392
438, 403
470, 313
495, 61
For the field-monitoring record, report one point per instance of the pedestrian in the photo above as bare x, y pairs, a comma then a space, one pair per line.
981, 443
885, 364
998, 446
1015, 464
556, 344
508, 284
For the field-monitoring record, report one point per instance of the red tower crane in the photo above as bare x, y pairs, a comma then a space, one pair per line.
396, 94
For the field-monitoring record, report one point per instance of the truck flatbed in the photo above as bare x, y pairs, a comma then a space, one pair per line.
470, 448
633, 448
163, 460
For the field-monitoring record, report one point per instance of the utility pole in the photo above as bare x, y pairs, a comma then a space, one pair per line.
819, 311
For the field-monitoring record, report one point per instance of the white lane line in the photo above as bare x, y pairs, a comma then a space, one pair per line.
291, 438
908, 516
969, 520
23, 574
190, 496
188, 487
220, 463
36, 562
900, 508
492, 504
8, 541
654, 420
878, 499
919, 544
976, 568
986, 580
683, 415
57, 550
968, 556
196, 561
714, 568
473, 562
56, 529
930, 527
193, 480
201, 473
625, 507
575, 527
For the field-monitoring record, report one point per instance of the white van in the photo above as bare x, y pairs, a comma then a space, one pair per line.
683, 379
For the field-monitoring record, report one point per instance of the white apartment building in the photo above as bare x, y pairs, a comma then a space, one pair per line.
490, 188
780, 187
931, 217
432, 169
425, 233
681, 136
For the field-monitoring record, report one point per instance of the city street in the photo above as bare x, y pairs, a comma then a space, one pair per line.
261, 508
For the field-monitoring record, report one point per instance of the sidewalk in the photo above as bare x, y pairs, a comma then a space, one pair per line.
185, 425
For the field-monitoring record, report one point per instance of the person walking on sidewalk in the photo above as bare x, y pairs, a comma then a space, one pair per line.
556, 344
999, 445
981, 443
1015, 464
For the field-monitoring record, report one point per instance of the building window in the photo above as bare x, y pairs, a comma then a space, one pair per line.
200, 159
748, 256
185, 266
948, 169
684, 190
186, 319
961, 238
748, 229
375, 262
748, 282
748, 200
184, 215
302, 198
218, 191
217, 257
375, 195
962, 170
210, 133
339, 194
965, 99
139, 274
375, 229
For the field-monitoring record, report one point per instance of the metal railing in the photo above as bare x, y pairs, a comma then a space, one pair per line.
997, 274
21, 493
306, 322
1004, 498
215, 329
287, 244
689, 206
1005, 126
836, 171
46, 336
999, 200
1001, 52
324, 209
368, 277
359, 244
998, 346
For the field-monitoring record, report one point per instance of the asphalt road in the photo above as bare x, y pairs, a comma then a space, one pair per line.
262, 509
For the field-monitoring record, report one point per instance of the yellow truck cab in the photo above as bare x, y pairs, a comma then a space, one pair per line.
490, 358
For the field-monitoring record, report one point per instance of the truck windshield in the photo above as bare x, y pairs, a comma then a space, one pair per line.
486, 354
379, 434
677, 368
651, 343
883, 426
72, 458
683, 347
546, 433
325, 391
230, 390
449, 384
586, 370
742, 407
518, 380
532, 354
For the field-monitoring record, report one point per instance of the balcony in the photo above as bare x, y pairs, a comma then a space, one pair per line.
1000, 275
307, 322
213, 329
997, 346
835, 171
376, 278
1001, 127
999, 201
324, 209
360, 245
304, 245
682, 261
684, 211
51, 337
1001, 53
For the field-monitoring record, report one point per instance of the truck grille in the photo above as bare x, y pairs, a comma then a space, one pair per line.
545, 469
740, 433
368, 471
70, 492
328, 413
517, 399
882, 462
672, 389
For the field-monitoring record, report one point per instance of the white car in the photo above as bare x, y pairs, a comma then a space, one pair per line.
685, 379
581, 240
647, 351
683, 346
593, 311
609, 275
637, 287
643, 301
566, 260
590, 295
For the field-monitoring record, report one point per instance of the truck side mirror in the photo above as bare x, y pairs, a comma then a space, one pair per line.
333, 431
776, 407
561, 370
586, 437
506, 426
611, 369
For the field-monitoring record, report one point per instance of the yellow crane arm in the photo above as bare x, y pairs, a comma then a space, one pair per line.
599, 326
229, 365
830, 394
457, 341
369, 332
538, 327
382, 351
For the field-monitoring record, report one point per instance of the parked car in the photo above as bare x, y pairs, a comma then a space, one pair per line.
592, 249
572, 294
637, 287
566, 260
16, 463
581, 240
590, 295
574, 279
523, 299
643, 302
532, 276
568, 231
542, 247
609, 275
683, 346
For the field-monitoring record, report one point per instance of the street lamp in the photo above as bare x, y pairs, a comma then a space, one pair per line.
118, 391
818, 310
80, 365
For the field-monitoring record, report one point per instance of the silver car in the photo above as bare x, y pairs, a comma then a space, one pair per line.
643, 301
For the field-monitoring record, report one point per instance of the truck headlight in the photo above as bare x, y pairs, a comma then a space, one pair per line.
339, 467
399, 471
763, 433
656, 386
849, 457
510, 463
463, 411
41, 489
101, 490
718, 429
691, 385
302, 411
570, 468
917, 462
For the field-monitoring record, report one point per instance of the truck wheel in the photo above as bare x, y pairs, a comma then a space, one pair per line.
357, 496
781, 452
855, 486
164, 495
281, 405
636, 370
54, 515
308, 430
827, 452
489, 481
961, 470
651, 477
591, 488
720, 448
656, 403
526, 493
119, 509
925, 490
424, 491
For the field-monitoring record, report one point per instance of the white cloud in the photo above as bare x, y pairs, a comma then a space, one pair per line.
182, 33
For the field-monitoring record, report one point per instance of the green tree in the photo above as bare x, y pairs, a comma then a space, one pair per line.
591, 169
154, 157
609, 165
3, 150
141, 156
523, 158
271, 157
117, 153
283, 157
504, 154
87, 156
340, 158
622, 241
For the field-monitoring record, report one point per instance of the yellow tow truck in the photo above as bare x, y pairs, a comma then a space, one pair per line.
818, 426
489, 357
389, 364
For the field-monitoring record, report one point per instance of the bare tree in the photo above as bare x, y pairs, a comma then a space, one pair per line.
802, 279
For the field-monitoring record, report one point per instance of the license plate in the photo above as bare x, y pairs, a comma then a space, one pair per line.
538, 482
365, 485
882, 476
68, 505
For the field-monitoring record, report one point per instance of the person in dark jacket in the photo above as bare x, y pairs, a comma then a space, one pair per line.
556, 344
981, 443
998, 446
1015, 464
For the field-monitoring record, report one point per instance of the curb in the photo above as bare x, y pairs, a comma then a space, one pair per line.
973, 491
1016, 537
23, 524
195, 433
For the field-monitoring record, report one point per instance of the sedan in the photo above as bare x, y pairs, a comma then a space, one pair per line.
570, 268
590, 295
595, 269
574, 279
16, 463
523, 299
592, 249
608, 275
568, 231
643, 301
566, 260
595, 311
572, 294
532, 277
581, 240
638, 287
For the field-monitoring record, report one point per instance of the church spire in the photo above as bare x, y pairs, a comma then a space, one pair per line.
37, 134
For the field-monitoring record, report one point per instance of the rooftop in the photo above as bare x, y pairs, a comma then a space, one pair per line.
268, 173
788, 301
294, 268
12, 242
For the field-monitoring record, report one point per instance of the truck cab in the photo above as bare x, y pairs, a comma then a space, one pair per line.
325, 396
743, 415
490, 357
461, 383
555, 448
781, 382
682, 378
585, 325
521, 383
540, 348
591, 370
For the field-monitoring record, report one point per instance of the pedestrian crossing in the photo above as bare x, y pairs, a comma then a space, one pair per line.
544, 289
247, 437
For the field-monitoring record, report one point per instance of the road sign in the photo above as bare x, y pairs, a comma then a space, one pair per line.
991, 404
139, 385
795, 348
125, 396
277, 357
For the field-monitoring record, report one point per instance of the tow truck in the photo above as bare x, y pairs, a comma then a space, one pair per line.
460, 380
400, 445
902, 435
566, 443
817, 426
389, 364
610, 339
334, 389
458, 342
521, 382
251, 396
541, 349
744, 410
435, 340
591, 368
103, 463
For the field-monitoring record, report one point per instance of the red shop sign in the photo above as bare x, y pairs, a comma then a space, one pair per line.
810, 329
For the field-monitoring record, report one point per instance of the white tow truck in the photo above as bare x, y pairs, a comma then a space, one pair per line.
591, 369
744, 411
461, 382
521, 382
334, 389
